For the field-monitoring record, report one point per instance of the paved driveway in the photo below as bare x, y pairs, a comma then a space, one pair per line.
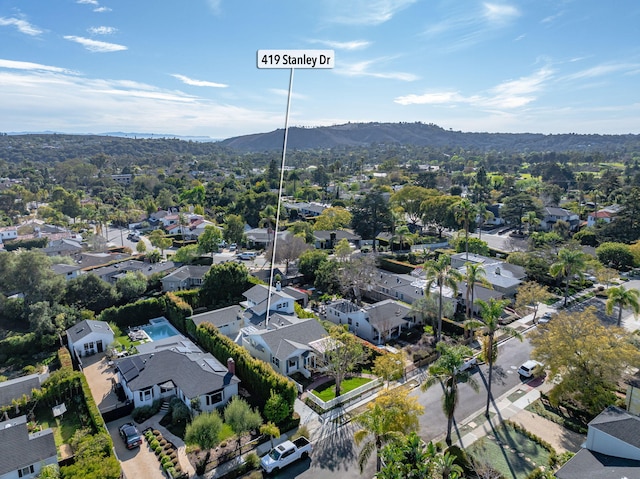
101, 378
136, 463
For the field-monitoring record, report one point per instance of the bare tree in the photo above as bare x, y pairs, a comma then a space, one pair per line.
288, 249
355, 276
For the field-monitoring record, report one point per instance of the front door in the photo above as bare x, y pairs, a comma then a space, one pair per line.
99, 345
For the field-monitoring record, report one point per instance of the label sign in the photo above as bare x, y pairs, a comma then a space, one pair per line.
312, 59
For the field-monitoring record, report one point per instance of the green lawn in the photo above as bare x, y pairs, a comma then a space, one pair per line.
510, 452
63, 428
327, 392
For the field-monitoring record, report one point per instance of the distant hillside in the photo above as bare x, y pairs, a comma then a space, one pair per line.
421, 134
55, 147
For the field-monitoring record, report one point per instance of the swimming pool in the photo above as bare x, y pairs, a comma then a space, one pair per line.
160, 329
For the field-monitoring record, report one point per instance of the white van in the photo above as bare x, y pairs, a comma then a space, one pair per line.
526, 370
247, 255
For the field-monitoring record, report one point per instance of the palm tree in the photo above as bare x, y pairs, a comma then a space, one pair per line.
465, 212
570, 262
490, 313
623, 298
390, 416
403, 235
532, 220
446, 370
484, 215
439, 272
474, 274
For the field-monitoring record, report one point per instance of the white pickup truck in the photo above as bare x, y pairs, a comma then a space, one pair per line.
284, 454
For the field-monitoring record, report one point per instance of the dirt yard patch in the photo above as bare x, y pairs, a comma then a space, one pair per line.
559, 437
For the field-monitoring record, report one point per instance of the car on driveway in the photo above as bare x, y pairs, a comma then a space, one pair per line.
545, 318
130, 435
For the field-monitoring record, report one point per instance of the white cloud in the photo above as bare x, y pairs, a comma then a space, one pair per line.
365, 12
102, 30
500, 13
364, 69
102, 9
190, 81
22, 26
603, 70
17, 65
431, 98
50, 100
352, 45
285, 93
96, 45
88, 2
507, 95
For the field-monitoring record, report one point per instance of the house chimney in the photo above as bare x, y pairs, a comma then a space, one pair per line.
231, 365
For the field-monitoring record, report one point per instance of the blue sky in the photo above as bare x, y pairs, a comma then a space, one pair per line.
189, 67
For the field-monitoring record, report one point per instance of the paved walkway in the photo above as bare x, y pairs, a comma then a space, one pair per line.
154, 423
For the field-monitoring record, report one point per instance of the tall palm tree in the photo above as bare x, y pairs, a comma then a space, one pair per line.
474, 274
465, 212
570, 262
490, 313
446, 370
440, 273
623, 298
389, 417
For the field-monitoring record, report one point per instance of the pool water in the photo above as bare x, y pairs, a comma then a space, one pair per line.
160, 330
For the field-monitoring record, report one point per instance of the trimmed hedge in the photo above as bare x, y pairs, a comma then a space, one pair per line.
13, 245
258, 375
394, 266
140, 312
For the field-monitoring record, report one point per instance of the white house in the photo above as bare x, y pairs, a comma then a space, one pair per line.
67, 271
376, 323
227, 320
89, 337
257, 301
8, 233
288, 348
612, 448
553, 214
605, 215
22, 455
194, 377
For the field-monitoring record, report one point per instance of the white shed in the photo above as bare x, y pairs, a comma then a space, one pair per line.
89, 337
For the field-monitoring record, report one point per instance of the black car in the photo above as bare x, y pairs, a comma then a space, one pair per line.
130, 435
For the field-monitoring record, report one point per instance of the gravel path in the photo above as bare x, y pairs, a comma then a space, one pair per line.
560, 438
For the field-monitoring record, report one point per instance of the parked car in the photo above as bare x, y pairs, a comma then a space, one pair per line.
247, 255
233, 247
130, 435
469, 363
284, 454
545, 318
528, 367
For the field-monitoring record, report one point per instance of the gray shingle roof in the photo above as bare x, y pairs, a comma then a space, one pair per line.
218, 317
620, 424
188, 271
195, 374
86, 327
20, 449
387, 314
284, 341
587, 464
16, 388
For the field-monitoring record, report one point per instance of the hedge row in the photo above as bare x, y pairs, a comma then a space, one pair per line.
394, 266
133, 314
254, 372
26, 244
176, 311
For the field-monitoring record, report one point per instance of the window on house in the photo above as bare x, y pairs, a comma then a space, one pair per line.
25, 471
88, 346
357, 324
213, 398
292, 363
146, 394
350, 321
275, 361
